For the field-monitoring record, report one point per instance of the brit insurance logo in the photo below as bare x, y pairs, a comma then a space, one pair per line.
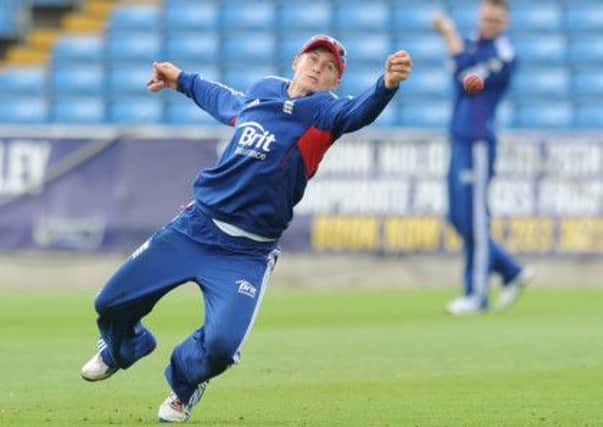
255, 141
246, 288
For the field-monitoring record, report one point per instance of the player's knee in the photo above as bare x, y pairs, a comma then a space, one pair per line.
102, 303
222, 351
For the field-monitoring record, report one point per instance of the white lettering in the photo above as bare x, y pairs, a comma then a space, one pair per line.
23, 166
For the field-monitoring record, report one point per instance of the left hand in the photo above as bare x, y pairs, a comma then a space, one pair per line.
397, 68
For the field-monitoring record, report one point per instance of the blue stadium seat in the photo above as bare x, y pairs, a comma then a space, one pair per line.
239, 81
536, 17
192, 47
429, 82
542, 50
191, 15
464, 17
289, 45
9, 19
360, 16
366, 48
23, 80
245, 15
134, 18
134, 46
427, 48
584, 17
546, 114
589, 116
427, 114
588, 84
249, 46
128, 79
81, 80
186, 112
586, 50
357, 79
141, 110
550, 82
80, 48
315, 16
388, 117
505, 115
79, 110
24, 110
415, 15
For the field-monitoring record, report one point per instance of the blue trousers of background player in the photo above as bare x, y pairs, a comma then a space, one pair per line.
232, 273
470, 171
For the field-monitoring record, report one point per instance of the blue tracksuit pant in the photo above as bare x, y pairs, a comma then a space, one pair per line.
232, 277
470, 172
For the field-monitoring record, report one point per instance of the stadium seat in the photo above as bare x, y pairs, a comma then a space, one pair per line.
142, 110
545, 115
536, 17
358, 79
24, 110
191, 15
192, 47
426, 114
542, 50
80, 48
134, 46
505, 115
239, 81
289, 45
426, 48
388, 117
582, 17
464, 17
588, 84
414, 16
249, 46
81, 80
315, 16
429, 82
10, 14
550, 82
134, 18
365, 49
359, 16
586, 50
589, 116
128, 79
78, 110
23, 80
243, 15
186, 112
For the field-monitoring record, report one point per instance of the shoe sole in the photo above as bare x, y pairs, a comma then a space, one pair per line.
109, 374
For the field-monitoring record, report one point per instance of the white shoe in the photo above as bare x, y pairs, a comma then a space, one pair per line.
172, 410
511, 292
464, 305
96, 369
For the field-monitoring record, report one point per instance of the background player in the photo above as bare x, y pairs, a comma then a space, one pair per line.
226, 239
473, 153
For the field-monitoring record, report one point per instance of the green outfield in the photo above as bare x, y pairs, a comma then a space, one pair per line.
322, 358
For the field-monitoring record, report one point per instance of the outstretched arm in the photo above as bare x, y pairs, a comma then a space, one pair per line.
222, 102
349, 114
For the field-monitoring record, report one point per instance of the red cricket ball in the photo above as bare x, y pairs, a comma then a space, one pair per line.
472, 83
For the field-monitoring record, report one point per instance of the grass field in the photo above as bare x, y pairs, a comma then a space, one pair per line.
322, 358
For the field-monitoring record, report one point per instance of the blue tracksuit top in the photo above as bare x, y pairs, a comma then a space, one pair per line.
495, 61
275, 149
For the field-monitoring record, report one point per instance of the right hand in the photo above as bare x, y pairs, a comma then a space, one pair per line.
164, 75
443, 24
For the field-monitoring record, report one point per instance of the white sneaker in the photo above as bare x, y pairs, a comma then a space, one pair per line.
511, 292
172, 410
464, 305
96, 369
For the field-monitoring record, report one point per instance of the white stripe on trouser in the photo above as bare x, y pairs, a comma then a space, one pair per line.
480, 219
269, 268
